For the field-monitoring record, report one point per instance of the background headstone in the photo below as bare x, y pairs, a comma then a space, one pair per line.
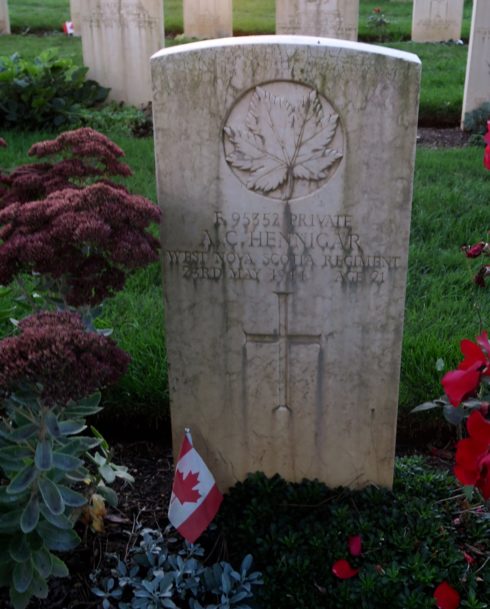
437, 20
75, 16
285, 171
477, 83
208, 18
4, 18
329, 18
118, 39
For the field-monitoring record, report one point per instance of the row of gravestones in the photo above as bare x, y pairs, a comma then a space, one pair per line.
119, 36
433, 20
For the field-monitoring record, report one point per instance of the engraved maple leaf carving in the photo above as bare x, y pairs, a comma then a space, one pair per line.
283, 142
184, 487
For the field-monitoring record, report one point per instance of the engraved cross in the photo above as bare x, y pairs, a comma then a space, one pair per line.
284, 339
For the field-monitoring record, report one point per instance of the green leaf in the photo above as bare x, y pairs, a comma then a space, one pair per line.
42, 562
66, 462
39, 586
30, 515
425, 406
468, 492
108, 494
79, 475
56, 539
59, 567
104, 444
19, 600
9, 521
44, 455
22, 480
14, 455
71, 427
52, 425
51, 496
71, 497
6, 499
85, 407
60, 521
22, 575
19, 549
24, 433
107, 473
453, 415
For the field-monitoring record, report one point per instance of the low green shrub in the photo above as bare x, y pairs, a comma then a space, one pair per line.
411, 541
47, 92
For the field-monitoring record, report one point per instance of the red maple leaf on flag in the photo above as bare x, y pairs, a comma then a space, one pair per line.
184, 487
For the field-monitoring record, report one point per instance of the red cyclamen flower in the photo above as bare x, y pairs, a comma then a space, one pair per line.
446, 596
473, 455
343, 570
486, 139
55, 351
463, 382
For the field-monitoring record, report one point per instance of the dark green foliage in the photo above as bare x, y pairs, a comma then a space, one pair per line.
410, 544
47, 92
476, 121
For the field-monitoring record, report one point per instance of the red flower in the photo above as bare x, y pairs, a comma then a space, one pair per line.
463, 382
473, 251
446, 596
343, 570
473, 455
486, 139
355, 545
377, 10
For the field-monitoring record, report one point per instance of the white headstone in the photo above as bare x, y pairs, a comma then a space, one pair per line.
437, 20
285, 171
118, 39
75, 16
208, 18
4, 18
329, 18
477, 84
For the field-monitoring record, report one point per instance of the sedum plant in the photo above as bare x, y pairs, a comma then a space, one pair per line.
72, 231
155, 577
46, 372
69, 237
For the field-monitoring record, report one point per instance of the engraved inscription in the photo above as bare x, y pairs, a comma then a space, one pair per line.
283, 134
284, 339
257, 247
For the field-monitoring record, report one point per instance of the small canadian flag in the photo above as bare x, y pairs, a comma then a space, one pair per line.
195, 497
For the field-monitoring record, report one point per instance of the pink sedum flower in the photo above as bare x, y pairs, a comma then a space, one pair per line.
55, 351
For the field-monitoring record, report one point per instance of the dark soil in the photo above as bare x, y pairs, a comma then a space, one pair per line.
452, 137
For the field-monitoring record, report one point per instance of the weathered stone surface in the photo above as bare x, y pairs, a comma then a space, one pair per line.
4, 18
330, 18
477, 84
208, 18
75, 16
118, 39
437, 20
285, 177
